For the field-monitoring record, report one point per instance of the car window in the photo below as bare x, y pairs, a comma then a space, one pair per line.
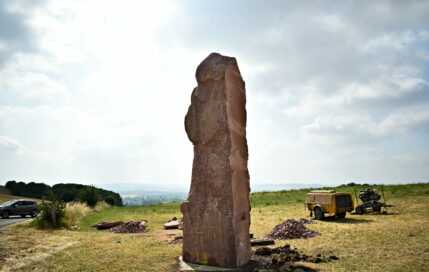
8, 203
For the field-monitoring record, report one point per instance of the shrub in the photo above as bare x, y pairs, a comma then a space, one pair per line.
68, 196
109, 200
89, 196
52, 213
74, 212
101, 205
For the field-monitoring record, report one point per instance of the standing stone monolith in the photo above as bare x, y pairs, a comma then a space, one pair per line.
216, 215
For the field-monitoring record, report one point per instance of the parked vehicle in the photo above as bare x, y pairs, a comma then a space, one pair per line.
22, 207
321, 202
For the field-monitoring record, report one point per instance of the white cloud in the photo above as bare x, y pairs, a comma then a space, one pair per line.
100, 91
333, 23
395, 40
350, 127
13, 146
31, 85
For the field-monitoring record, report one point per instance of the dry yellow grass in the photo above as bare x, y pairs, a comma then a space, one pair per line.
23, 246
100, 206
85, 251
74, 212
396, 242
370, 242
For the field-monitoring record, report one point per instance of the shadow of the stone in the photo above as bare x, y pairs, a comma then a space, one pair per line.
255, 264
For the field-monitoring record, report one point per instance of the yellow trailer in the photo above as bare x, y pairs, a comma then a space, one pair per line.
321, 202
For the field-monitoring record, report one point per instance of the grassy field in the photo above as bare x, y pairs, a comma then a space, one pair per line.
398, 241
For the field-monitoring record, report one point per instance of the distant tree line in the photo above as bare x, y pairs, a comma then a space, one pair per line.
66, 192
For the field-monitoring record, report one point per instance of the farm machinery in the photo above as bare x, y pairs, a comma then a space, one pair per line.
371, 201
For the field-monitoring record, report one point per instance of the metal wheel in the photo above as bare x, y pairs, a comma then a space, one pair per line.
5, 214
359, 210
33, 214
318, 213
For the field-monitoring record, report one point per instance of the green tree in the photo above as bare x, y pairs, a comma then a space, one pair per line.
109, 200
52, 213
89, 195
68, 196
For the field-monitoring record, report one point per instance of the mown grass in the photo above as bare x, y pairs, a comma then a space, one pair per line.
395, 242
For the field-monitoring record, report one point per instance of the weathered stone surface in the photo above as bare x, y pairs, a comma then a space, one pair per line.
174, 224
216, 215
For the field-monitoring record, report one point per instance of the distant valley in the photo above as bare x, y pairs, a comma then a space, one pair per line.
136, 194
147, 199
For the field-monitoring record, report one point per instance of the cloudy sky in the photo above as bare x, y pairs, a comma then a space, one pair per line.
96, 93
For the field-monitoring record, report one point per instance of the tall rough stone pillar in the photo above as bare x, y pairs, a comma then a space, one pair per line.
216, 215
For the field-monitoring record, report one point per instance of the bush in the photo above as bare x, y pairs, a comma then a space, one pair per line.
74, 212
101, 205
89, 196
109, 200
68, 197
52, 213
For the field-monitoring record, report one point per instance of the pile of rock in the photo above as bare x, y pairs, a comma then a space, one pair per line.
130, 227
122, 227
292, 229
286, 254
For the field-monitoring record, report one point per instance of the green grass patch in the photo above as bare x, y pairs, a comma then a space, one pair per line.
261, 199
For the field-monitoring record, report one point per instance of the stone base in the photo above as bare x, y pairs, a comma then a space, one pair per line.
190, 267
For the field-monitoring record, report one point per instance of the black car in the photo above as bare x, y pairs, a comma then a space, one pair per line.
22, 207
